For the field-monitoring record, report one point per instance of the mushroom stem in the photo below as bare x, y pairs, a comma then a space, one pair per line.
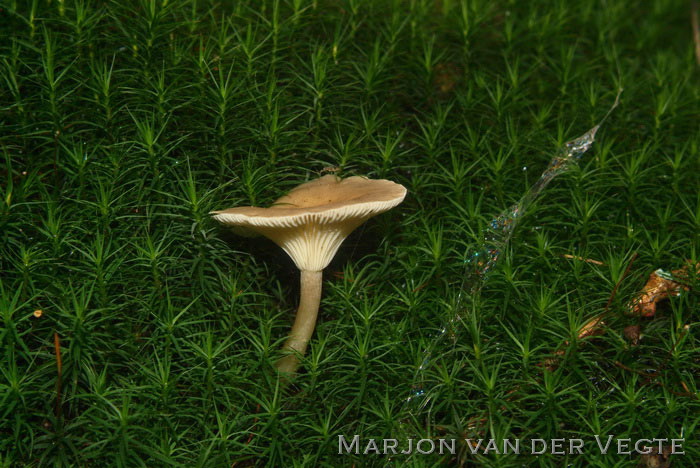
304, 323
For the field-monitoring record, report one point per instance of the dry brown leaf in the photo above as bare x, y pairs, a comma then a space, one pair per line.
654, 291
658, 289
593, 327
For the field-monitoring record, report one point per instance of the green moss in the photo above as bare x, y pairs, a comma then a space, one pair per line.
125, 122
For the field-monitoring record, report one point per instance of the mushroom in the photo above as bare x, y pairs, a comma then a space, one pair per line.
310, 223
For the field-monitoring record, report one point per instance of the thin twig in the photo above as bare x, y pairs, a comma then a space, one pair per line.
648, 375
587, 260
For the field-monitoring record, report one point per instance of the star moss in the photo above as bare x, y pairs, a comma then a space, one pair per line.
124, 123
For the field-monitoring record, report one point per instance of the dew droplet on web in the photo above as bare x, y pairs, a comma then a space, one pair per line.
481, 262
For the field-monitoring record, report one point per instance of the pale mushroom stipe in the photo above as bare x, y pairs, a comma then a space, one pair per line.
310, 223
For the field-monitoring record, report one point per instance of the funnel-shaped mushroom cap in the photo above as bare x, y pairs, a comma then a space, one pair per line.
313, 219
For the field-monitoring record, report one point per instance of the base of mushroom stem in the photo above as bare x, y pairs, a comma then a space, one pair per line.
288, 365
304, 322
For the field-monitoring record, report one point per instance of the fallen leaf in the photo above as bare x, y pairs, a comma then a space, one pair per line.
592, 328
659, 286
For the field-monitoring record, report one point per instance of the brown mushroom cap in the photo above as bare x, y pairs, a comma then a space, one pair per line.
313, 219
